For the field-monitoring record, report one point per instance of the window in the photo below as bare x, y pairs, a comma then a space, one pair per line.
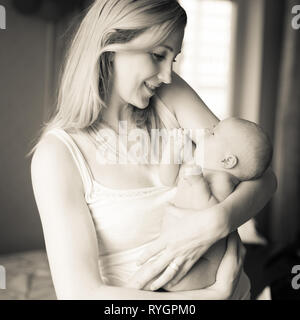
206, 59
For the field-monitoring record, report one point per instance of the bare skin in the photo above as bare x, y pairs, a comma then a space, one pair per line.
64, 213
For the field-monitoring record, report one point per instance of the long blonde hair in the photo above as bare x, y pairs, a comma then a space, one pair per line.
108, 27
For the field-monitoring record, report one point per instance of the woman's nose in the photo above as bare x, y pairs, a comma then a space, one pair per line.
165, 74
208, 131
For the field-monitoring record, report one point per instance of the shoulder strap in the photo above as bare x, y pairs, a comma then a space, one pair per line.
166, 116
78, 157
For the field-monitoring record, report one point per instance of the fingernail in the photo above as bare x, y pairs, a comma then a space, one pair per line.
153, 287
168, 286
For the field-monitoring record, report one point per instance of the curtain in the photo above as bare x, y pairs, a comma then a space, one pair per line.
266, 90
285, 214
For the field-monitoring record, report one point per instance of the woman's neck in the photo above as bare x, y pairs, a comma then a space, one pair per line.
117, 109
115, 116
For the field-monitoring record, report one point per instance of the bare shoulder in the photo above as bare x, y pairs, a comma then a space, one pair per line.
52, 162
186, 104
50, 152
64, 214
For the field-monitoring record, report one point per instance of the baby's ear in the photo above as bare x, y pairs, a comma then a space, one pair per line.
229, 161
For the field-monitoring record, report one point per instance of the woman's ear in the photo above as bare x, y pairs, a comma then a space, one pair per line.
229, 162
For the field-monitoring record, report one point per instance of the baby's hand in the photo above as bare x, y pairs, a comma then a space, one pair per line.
192, 189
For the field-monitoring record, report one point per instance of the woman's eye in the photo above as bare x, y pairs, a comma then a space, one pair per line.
158, 56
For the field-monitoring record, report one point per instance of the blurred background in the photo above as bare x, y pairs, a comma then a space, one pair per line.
242, 58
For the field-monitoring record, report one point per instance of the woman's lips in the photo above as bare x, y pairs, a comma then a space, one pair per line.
149, 91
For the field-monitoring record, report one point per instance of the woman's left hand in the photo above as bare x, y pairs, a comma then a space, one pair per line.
177, 249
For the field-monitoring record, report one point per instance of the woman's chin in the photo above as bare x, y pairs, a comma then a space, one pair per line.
143, 104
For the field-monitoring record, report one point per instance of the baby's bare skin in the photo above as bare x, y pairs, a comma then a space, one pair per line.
203, 273
197, 192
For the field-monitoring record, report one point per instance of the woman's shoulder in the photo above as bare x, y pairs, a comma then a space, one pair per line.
52, 160
55, 146
50, 148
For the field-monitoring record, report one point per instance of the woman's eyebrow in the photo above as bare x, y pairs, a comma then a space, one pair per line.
169, 48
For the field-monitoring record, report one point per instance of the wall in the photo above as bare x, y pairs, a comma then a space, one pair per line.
23, 98
248, 59
247, 77
285, 219
272, 56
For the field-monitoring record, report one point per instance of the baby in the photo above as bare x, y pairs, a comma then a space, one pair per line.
232, 151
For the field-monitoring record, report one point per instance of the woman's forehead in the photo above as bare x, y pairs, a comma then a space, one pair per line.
172, 43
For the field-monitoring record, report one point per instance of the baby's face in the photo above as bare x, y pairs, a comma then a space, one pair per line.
224, 131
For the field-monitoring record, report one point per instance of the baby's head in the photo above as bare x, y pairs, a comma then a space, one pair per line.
237, 146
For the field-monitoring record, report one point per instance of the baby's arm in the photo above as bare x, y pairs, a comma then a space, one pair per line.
193, 190
198, 190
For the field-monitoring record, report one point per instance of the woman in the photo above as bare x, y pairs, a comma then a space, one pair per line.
99, 219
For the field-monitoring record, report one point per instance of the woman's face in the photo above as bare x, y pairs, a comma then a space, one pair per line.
138, 74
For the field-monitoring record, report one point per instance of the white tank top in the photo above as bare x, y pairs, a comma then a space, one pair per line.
126, 221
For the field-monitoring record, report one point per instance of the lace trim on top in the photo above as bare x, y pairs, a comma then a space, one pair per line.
95, 191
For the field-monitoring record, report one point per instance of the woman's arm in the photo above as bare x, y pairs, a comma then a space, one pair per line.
250, 196
210, 225
228, 278
216, 222
192, 236
245, 202
69, 231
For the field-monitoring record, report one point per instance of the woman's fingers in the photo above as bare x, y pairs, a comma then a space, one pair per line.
182, 272
155, 247
170, 272
186, 266
149, 271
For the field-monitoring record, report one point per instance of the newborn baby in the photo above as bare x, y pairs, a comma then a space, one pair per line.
232, 151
